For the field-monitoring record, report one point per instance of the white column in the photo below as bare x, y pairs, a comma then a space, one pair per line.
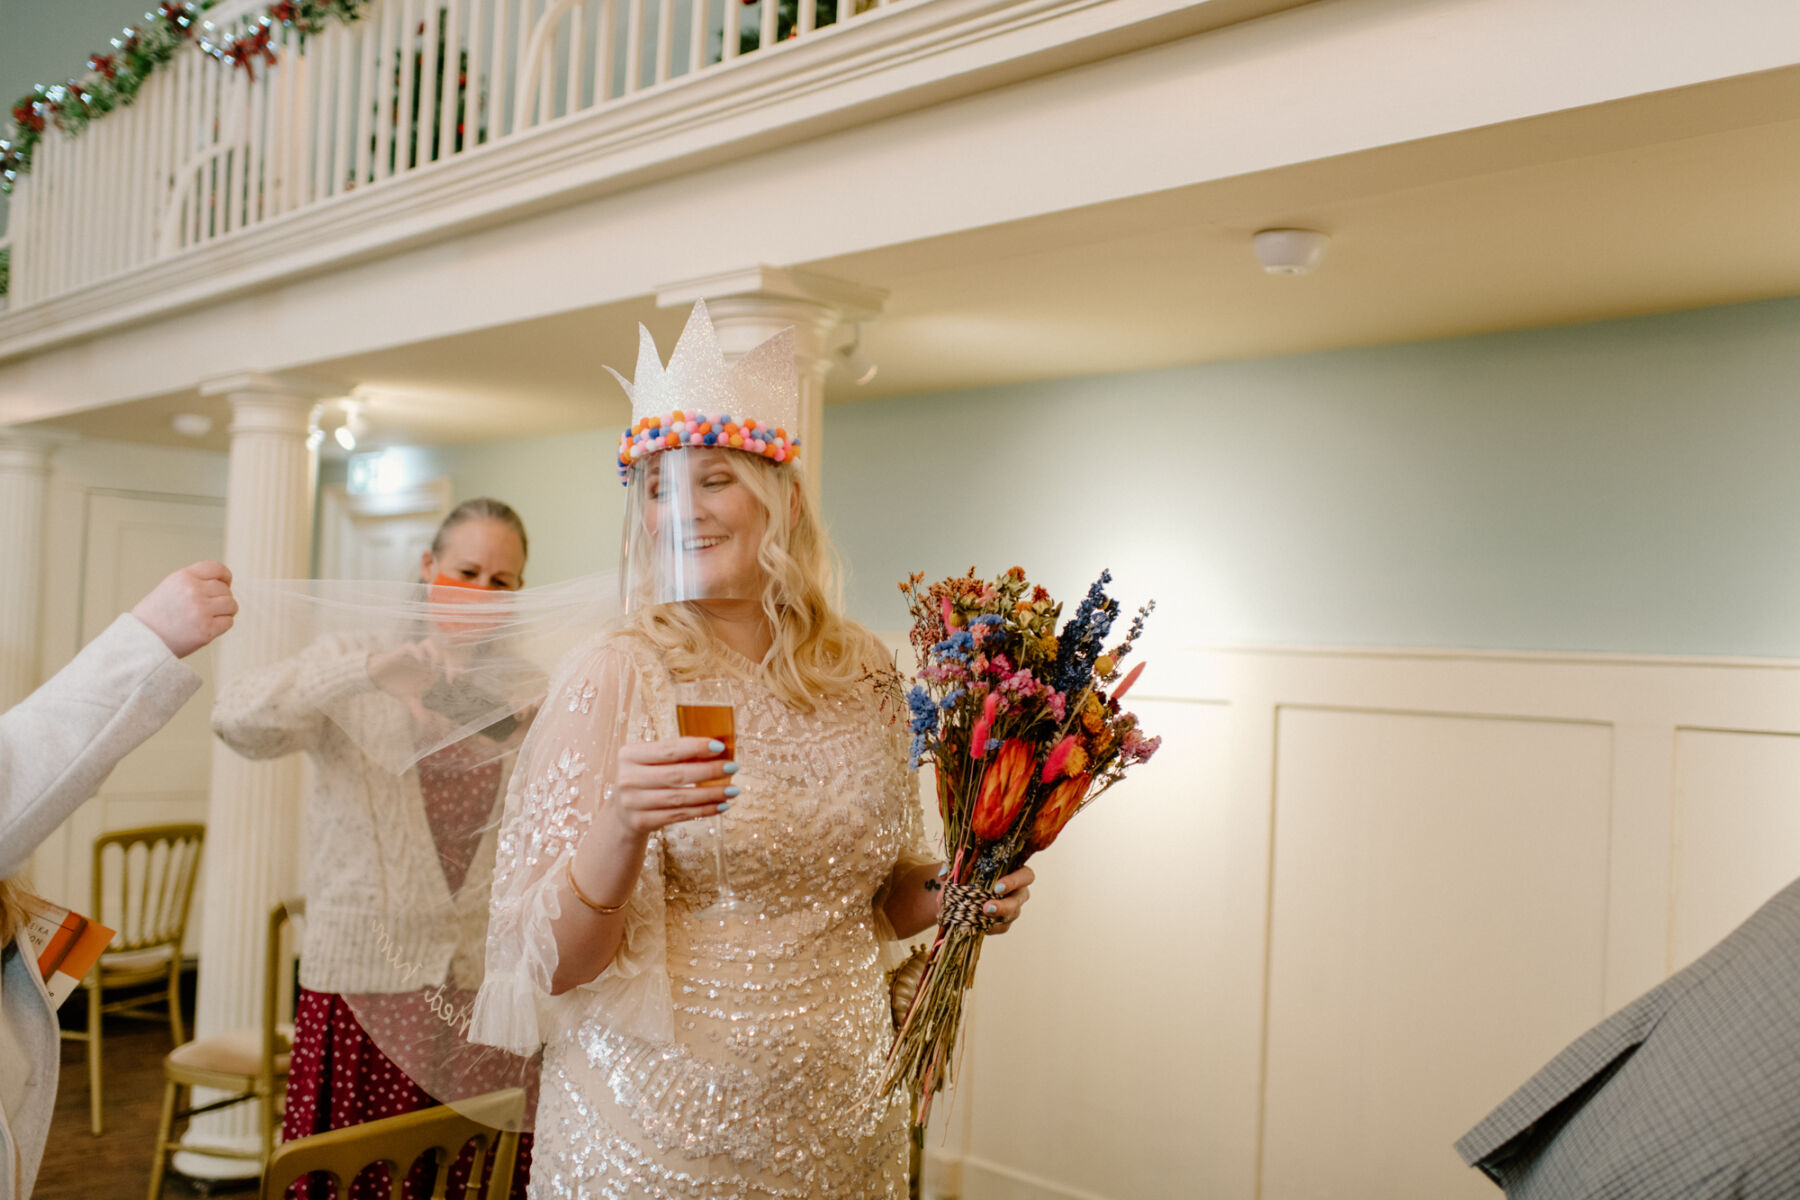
24, 481
253, 816
749, 307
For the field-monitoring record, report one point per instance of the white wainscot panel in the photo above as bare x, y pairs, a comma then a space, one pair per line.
1737, 832
1437, 933
1114, 1039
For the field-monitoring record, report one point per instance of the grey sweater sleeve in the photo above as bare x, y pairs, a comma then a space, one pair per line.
58, 745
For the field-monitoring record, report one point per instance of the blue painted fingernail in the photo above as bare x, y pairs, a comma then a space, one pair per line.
729, 768
990, 908
943, 870
999, 889
733, 791
725, 805
716, 746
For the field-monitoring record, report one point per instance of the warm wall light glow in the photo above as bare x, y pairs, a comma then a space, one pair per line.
384, 472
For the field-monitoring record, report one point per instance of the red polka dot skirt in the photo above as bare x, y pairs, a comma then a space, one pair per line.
339, 1077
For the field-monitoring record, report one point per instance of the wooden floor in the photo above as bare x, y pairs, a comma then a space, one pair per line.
115, 1165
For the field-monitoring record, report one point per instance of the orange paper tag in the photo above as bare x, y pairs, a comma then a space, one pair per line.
66, 943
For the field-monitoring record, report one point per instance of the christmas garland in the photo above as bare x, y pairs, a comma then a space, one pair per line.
113, 80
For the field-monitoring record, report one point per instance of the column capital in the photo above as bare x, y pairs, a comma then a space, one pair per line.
28, 452
272, 384
850, 301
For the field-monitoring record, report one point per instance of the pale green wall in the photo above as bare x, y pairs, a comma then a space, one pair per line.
1629, 486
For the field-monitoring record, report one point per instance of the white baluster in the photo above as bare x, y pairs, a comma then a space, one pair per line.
289, 131
387, 46
771, 11
257, 97
89, 199
573, 35
472, 114
91, 211
234, 145
340, 163
407, 113
49, 161
500, 82
809, 14
138, 190
205, 204
455, 88
366, 103
665, 39
605, 43
428, 91
728, 46
697, 23
546, 103
634, 47
27, 244
321, 90
524, 65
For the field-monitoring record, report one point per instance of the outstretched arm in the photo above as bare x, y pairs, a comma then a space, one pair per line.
58, 745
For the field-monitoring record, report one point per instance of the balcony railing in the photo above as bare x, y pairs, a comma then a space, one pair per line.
210, 148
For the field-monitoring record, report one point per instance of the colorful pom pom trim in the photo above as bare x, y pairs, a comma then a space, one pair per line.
652, 435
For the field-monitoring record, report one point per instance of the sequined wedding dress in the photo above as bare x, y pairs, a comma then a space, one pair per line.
711, 1060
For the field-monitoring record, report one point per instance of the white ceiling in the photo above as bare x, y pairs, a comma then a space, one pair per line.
1668, 201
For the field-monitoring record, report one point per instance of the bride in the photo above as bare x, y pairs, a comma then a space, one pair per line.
690, 1052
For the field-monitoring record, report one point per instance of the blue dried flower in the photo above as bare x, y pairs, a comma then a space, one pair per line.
1080, 641
924, 721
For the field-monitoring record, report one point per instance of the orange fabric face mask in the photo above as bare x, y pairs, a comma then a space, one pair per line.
447, 591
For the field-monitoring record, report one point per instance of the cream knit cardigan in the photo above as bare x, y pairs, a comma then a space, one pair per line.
379, 915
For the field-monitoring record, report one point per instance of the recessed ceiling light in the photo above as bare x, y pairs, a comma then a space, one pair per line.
194, 425
1289, 251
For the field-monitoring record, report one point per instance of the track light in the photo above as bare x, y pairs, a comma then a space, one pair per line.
354, 426
850, 359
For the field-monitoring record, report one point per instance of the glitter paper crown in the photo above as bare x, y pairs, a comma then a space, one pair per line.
697, 400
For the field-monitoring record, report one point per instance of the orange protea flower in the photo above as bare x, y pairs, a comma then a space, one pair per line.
1003, 788
1077, 761
1063, 802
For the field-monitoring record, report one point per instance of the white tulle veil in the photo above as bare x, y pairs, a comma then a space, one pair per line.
438, 686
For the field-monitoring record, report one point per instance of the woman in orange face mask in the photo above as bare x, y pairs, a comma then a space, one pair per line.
398, 862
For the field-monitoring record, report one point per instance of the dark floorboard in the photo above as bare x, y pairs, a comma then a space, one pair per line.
115, 1165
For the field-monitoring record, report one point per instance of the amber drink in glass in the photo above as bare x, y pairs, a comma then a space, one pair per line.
703, 708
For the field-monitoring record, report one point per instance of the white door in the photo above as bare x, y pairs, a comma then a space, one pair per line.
379, 536
130, 542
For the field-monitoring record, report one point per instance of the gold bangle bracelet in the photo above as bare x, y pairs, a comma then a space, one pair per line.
605, 910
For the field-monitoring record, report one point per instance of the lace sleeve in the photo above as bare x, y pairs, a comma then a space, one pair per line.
594, 708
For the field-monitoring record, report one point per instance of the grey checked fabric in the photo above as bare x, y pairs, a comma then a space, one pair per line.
1692, 1091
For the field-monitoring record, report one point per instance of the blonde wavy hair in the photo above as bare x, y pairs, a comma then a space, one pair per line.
12, 908
818, 653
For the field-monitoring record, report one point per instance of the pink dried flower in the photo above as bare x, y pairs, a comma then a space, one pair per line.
984, 725
1059, 757
1130, 679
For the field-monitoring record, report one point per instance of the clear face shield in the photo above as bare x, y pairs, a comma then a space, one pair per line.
694, 528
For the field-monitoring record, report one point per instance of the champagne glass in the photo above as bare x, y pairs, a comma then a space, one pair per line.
703, 708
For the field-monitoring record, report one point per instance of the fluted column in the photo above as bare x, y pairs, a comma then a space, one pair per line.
253, 815
24, 480
748, 307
